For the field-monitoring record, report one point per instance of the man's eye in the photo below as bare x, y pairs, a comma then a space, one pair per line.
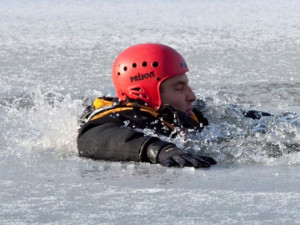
178, 88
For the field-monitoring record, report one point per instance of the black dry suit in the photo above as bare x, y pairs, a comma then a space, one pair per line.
114, 130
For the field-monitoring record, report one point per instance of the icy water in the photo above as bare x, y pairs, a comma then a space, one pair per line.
56, 56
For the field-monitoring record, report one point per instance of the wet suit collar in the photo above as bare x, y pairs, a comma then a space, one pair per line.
106, 105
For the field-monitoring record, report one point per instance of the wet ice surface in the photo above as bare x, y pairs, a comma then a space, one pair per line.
56, 56
68, 191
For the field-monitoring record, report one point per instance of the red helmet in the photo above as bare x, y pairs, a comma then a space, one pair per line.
139, 71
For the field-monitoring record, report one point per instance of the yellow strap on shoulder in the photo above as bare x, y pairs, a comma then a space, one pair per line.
110, 111
100, 103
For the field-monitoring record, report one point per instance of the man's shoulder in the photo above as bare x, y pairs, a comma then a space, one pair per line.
113, 110
99, 105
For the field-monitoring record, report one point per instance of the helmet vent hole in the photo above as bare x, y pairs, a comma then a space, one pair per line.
136, 89
155, 64
119, 73
125, 68
134, 65
144, 64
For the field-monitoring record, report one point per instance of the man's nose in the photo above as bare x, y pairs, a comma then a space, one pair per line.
190, 95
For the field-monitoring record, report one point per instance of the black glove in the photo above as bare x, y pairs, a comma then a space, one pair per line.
256, 115
174, 156
171, 155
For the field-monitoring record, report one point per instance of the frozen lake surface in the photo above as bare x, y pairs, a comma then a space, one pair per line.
56, 57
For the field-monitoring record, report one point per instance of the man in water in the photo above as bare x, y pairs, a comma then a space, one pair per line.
152, 93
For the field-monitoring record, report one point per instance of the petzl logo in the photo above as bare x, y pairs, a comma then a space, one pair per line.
142, 76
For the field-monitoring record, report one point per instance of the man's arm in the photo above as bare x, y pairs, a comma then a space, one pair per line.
111, 142
256, 115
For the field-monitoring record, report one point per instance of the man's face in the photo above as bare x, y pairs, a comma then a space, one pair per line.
177, 93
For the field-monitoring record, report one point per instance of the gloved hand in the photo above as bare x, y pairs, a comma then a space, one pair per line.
174, 156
